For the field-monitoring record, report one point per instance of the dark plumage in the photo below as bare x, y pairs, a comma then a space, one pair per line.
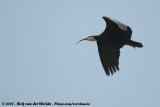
114, 37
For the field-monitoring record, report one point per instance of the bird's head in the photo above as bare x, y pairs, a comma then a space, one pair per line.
89, 38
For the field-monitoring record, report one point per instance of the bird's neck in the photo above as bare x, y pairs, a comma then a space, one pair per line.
96, 37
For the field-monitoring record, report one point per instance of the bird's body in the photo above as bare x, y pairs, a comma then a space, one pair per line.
114, 37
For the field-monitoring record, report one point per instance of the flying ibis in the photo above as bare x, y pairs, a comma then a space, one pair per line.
114, 37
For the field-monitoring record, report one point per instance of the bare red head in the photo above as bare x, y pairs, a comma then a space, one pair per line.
89, 38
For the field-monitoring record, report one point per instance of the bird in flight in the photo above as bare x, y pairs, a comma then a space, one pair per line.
114, 37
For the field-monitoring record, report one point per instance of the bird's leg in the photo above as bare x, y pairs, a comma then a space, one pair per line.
130, 44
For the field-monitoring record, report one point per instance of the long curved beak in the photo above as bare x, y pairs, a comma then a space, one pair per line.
82, 40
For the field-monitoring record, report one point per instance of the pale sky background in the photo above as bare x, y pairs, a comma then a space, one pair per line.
39, 60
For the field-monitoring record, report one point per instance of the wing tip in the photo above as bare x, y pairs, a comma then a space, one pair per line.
106, 18
111, 70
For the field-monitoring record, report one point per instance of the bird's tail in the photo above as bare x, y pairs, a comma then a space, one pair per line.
134, 44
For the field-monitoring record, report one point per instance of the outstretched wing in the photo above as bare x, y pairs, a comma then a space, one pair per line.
109, 54
118, 26
113, 22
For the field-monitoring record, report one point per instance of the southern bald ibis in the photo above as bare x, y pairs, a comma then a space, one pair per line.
114, 37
